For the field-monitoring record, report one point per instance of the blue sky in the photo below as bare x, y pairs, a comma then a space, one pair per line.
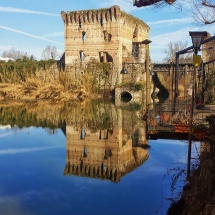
32, 25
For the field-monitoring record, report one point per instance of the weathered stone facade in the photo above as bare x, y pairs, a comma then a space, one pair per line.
207, 53
104, 35
109, 152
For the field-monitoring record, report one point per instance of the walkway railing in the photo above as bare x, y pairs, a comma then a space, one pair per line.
160, 116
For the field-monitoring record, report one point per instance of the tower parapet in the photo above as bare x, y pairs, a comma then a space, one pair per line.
92, 16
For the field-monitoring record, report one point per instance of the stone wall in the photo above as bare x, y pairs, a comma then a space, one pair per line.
104, 35
208, 54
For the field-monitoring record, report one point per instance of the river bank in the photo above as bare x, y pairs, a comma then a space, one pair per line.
198, 196
35, 90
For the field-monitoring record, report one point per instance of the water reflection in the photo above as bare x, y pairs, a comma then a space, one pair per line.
102, 141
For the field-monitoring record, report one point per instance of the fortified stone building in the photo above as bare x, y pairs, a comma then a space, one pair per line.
104, 35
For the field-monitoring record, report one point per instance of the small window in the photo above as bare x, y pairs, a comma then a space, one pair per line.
101, 22
82, 134
105, 36
136, 50
85, 152
80, 25
81, 56
84, 36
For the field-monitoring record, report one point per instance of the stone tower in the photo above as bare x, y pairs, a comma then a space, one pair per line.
104, 35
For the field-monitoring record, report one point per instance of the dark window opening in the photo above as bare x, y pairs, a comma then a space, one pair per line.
107, 37
108, 153
82, 133
84, 36
85, 152
105, 57
136, 49
79, 22
135, 32
101, 22
81, 56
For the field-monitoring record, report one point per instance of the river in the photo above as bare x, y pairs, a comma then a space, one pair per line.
83, 158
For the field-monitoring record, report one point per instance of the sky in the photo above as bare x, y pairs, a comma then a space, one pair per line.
30, 26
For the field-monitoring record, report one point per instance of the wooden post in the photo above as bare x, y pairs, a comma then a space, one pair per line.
191, 123
185, 82
171, 80
147, 76
203, 84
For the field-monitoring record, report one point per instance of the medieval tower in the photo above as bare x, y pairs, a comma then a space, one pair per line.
104, 35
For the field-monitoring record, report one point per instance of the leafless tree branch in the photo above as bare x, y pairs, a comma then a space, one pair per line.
202, 11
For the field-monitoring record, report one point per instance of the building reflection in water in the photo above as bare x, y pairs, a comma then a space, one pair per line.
107, 153
102, 140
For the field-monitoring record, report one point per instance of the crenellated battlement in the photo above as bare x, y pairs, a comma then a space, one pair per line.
92, 16
111, 14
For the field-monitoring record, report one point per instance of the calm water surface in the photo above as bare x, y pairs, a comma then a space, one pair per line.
88, 159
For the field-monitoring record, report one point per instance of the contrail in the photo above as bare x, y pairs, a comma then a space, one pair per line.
171, 21
27, 34
18, 10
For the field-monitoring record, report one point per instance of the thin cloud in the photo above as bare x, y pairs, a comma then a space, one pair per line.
171, 21
7, 134
27, 34
54, 34
19, 10
25, 150
162, 40
125, 5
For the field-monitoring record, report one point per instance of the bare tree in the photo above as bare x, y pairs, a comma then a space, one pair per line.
174, 47
202, 11
144, 3
54, 52
49, 53
46, 54
14, 54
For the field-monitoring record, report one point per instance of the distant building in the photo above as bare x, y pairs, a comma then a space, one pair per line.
104, 35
